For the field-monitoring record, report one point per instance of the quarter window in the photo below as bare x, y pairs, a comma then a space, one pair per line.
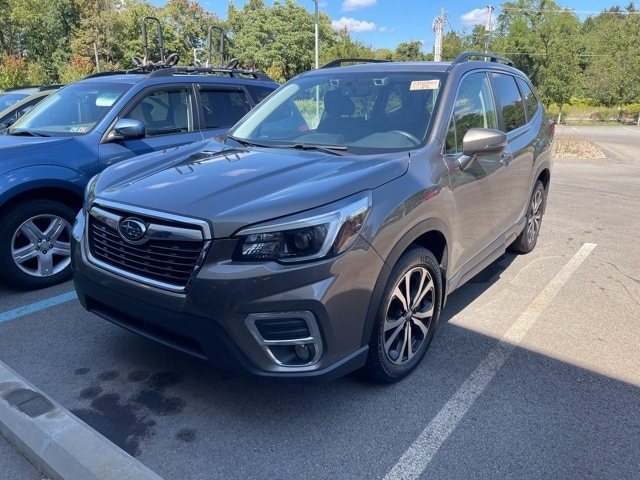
530, 99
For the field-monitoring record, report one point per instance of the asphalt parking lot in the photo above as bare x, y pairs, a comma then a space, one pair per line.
534, 372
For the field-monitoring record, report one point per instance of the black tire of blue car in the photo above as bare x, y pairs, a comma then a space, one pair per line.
528, 238
35, 247
407, 317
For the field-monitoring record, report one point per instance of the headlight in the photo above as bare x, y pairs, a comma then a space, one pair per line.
309, 236
89, 190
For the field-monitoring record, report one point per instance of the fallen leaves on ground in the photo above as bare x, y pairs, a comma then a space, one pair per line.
576, 148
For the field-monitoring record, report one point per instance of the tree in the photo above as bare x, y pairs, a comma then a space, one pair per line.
543, 41
13, 71
409, 52
346, 47
613, 45
280, 39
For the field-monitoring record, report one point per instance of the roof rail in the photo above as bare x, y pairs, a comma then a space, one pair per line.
18, 87
340, 61
56, 86
466, 56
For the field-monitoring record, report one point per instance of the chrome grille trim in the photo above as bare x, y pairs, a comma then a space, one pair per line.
168, 258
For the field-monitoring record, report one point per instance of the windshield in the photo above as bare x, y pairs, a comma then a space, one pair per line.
365, 112
72, 110
8, 99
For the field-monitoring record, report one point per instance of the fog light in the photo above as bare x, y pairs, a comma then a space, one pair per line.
303, 352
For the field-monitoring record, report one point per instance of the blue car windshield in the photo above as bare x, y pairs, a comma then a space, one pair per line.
362, 112
9, 98
72, 110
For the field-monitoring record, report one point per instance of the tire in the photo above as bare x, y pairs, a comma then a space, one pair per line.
528, 238
416, 278
35, 249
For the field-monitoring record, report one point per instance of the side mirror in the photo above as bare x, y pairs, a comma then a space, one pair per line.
127, 129
481, 142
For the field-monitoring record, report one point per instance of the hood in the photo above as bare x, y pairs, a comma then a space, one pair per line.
11, 144
235, 187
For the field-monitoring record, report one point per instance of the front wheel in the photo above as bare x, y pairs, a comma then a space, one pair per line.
407, 316
35, 244
528, 238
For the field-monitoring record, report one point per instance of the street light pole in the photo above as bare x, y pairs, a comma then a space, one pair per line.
316, 32
317, 65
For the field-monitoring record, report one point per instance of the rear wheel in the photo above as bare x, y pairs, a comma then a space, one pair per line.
35, 249
528, 238
407, 316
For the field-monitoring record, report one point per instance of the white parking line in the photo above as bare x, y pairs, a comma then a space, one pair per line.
34, 307
418, 456
634, 130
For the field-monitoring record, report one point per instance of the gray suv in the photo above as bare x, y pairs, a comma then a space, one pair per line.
323, 233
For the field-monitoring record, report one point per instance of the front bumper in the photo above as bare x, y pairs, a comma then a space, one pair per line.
215, 319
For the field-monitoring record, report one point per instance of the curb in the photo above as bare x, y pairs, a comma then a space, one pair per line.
58, 443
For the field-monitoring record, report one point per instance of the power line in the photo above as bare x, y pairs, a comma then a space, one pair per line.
568, 10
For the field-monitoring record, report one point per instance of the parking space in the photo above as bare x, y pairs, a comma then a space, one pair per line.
534, 372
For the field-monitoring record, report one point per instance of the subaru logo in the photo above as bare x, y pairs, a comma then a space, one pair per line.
132, 229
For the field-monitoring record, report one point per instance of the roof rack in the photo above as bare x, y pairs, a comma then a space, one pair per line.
166, 66
490, 57
228, 70
144, 62
341, 61
165, 72
207, 63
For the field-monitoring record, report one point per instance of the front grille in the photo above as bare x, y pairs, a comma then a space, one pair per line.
167, 257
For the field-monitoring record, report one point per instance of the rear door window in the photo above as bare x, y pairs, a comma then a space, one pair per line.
222, 106
510, 100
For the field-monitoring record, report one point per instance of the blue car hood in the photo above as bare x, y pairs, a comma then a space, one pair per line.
235, 187
11, 144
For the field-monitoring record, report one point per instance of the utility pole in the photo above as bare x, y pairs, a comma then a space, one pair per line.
487, 29
438, 27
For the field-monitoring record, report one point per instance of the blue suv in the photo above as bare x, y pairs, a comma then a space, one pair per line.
49, 155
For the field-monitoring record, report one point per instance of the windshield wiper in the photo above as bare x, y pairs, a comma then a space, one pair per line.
244, 142
27, 133
333, 149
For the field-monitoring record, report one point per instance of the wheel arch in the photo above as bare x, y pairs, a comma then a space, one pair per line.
432, 234
545, 177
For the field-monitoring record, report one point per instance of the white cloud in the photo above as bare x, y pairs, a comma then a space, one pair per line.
475, 17
387, 29
353, 25
351, 5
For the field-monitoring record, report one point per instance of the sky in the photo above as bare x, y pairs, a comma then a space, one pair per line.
387, 23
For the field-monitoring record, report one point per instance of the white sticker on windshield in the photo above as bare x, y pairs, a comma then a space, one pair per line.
425, 85
106, 99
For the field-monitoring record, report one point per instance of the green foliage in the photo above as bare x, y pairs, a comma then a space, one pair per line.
409, 52
597, 60
78, 68
13, 71
346, 47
